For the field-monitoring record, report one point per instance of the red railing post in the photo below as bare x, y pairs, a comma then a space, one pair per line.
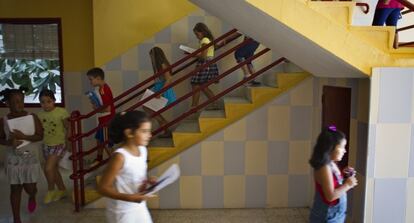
75, 176
80, 162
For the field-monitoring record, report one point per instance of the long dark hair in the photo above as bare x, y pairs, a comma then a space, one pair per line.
6, 94
202, 28
125, 120
158, 58
328, 139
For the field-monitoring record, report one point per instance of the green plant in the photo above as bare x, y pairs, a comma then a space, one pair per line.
33, 75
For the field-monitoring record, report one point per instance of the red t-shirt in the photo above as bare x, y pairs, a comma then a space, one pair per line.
320, 191
107, 99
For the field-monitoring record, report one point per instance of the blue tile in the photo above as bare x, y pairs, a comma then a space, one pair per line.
395, 97
72, 102
283, 99
170, 196
298, 190
190, 161
225, 27
218, 136
234, 158
86, 86
300, 122
411, 168
176, 54
390, 200
372, 135
256, 191
257, 122
130, 79
362, 148
278, 158
143, 55
114, 64
316, 96
213, 192
354, 83
164, 36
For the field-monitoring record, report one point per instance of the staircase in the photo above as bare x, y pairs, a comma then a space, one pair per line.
326, 44
190, 132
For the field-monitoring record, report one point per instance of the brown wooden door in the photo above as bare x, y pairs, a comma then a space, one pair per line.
336, 110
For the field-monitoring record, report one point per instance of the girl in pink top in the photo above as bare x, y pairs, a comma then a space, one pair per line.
388, 12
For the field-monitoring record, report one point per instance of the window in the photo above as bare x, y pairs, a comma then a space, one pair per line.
31, 57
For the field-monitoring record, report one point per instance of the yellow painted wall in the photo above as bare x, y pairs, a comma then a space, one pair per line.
120, 25
76, 26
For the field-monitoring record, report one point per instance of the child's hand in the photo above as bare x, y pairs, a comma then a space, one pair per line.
351, 182
17, 134
152, 180
141, 197
13, 141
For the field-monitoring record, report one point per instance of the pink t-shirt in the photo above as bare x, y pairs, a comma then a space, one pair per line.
393, 4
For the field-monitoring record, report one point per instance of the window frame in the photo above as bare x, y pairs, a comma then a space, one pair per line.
42, 21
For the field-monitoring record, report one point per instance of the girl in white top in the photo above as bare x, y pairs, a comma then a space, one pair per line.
125, 177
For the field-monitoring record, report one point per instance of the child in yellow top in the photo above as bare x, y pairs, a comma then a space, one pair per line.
202, 33
55, 124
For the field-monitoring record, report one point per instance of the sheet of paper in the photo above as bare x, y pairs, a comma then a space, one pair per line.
154, 104
168, 177
24, 124
187, 49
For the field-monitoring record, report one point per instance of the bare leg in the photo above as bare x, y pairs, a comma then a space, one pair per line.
196, 96
50, 171
31, 190
15, 198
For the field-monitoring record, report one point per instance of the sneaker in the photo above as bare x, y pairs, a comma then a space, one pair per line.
212, 107
59, 194
254, 83
167, 134
31, 205
49, 197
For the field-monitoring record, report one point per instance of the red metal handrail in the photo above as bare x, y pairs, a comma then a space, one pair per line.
250, 78
175, 72
182, 98
360, 4
158, 74
364, 5
165, 88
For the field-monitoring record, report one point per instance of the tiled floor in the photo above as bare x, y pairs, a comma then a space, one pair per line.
62, 212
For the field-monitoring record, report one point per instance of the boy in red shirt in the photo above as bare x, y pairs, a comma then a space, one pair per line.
96, 78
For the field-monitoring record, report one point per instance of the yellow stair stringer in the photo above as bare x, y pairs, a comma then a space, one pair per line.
209, 126
356, 46
234, 112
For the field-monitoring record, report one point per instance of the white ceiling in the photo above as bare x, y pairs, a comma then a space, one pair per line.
278, 37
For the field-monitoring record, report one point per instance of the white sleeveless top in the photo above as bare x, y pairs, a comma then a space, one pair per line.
128, 180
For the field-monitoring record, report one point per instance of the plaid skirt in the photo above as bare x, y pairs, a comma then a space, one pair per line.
206, 74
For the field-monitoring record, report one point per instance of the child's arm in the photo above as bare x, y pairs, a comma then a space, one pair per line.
325, 179
37, 136
105, 186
